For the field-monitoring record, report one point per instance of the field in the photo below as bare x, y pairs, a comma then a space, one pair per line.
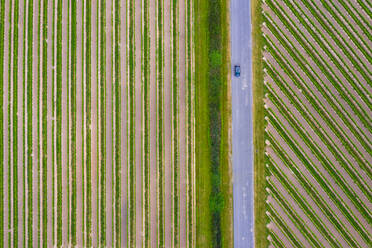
316, 65
98, 123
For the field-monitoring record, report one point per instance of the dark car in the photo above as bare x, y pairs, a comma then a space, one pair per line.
237, 70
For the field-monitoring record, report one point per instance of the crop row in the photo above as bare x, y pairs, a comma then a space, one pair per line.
309, 144
322, 110
159, 23
175, 122
323, 63
145, 89
131, 165
117, 125
88, 122
317, 131
341, 113
60, 201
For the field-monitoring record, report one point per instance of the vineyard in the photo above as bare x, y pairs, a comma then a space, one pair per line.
317, 61
97, 123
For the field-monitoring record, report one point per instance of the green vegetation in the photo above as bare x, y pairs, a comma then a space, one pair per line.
190, 128
175, 122
159, 120
317, 130
39, 156
260, 219
131, 177
9, 130
15, 122
44, 148
88, 121
145, 140
101, 106
117, 126
29, 84
212, 118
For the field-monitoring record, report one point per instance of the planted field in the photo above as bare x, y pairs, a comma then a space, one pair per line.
97, 123
317, 85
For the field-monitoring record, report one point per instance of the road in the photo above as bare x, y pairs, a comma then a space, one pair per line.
242, 128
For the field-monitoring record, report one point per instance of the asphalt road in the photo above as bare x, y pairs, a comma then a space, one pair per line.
242, 127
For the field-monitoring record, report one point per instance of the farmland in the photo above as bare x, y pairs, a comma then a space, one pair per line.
316, 74
98, 124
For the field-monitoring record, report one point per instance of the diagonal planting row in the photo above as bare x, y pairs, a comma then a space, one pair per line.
318, 147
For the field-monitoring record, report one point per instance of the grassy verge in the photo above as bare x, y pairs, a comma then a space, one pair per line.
202, 137
214, 202
258, 129
225, 108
